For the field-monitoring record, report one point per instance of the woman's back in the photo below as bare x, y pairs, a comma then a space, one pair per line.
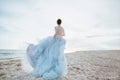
59, 31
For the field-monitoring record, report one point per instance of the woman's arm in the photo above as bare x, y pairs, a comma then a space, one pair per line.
55, 32
63, 33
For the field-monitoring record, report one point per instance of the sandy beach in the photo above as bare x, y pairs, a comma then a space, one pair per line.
82, 65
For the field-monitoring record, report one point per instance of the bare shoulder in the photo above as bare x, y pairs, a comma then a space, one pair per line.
56, 27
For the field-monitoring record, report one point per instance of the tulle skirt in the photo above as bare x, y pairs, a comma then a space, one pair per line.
47, 58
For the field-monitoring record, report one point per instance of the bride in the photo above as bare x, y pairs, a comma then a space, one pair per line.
47, 57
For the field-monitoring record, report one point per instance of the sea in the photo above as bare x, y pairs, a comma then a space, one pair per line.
7, 54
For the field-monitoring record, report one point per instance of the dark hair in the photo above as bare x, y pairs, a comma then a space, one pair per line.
59, 21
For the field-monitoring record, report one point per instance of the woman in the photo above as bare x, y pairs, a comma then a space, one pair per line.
47, 58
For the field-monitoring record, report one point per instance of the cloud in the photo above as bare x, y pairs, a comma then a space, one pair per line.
3, 30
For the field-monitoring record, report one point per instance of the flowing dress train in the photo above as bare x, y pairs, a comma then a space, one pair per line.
47, 58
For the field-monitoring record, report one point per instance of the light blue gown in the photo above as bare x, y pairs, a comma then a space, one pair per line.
47, 58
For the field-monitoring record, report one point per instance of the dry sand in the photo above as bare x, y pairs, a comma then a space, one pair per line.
82, 65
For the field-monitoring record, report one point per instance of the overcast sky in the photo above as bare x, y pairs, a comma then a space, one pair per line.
89, 24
